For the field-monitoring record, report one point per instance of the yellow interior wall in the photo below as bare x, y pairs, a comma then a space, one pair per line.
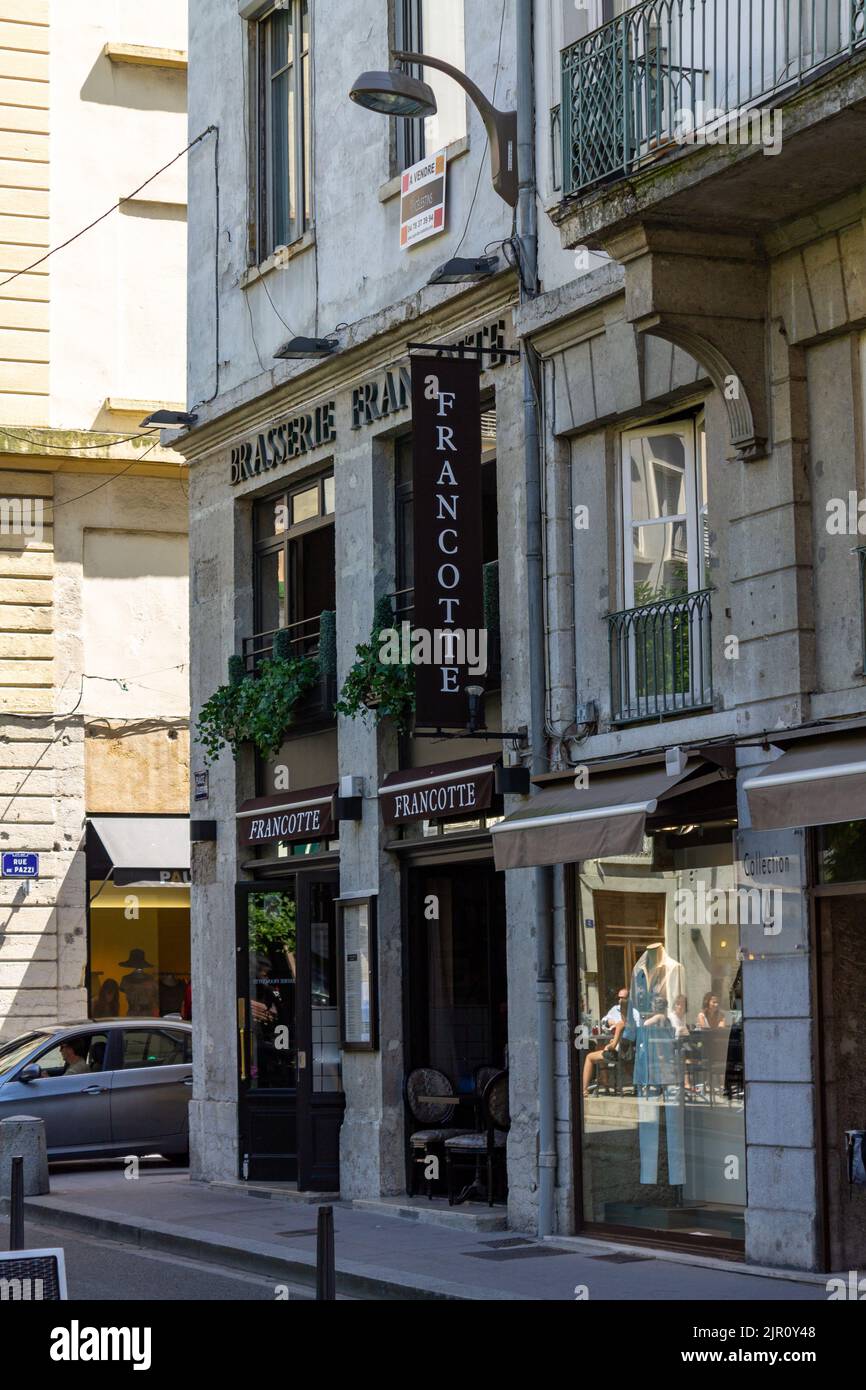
162, 932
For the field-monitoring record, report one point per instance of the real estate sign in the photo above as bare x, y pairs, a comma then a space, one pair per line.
422, 200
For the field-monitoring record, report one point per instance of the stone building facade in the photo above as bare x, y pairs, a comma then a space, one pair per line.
94, 707
699, 389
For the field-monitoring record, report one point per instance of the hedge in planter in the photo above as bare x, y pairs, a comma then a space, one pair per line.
385, 690
256, 709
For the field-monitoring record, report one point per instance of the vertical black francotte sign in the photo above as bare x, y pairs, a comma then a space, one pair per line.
449, 599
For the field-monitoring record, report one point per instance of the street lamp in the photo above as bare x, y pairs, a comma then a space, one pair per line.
397, 93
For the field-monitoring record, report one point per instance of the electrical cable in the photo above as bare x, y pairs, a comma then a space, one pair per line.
55, 506
78, 448
95, 223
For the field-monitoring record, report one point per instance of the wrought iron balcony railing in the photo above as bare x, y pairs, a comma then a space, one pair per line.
661, 658
665, 69
306, 640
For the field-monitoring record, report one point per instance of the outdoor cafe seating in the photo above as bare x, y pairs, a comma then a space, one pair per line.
435, 1108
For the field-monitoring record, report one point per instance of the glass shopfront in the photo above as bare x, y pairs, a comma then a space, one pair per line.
658, 1033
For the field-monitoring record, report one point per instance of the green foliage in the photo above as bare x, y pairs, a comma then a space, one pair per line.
328, 644
272, 922
256, 709
379, 688
491, 599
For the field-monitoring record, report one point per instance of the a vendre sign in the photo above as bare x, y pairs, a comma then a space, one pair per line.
422, 200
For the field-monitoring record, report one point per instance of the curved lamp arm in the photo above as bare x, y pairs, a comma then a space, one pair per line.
501, 126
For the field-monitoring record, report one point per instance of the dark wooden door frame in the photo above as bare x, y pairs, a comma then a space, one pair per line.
299, 883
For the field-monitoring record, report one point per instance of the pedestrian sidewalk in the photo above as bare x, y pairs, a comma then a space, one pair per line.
380, 1255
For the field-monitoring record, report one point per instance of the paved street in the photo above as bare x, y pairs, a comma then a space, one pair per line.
267, 1236
109, 1271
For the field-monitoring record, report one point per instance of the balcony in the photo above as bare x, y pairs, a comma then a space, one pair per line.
317, 706
663, 77
661, 659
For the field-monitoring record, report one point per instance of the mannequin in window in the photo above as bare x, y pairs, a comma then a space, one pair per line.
657, 981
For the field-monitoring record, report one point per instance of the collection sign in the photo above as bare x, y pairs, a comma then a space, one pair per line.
771, 900
422, 200
304, 816
449, 600
20, 864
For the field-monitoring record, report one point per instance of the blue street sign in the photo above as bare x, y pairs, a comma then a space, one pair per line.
20, 865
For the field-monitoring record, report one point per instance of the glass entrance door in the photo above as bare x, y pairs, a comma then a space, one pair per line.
289, 1079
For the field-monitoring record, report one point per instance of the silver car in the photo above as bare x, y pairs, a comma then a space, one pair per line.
106, 1088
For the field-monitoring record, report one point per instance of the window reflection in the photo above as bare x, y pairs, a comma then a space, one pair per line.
659, 1015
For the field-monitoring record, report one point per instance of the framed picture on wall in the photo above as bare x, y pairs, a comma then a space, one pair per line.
359, 973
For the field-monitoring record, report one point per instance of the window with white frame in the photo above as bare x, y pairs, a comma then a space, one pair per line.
660, 639
434, 27
283, 124
664, 511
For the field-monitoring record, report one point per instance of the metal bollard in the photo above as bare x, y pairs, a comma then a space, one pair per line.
326, 1281
16, 1205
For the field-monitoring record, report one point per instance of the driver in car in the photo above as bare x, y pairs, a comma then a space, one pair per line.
74, 1053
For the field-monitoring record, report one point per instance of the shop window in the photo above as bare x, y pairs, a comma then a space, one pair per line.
841, 852
434, 27
139, 951
294, 566
658, 1016
281, 39
660, 639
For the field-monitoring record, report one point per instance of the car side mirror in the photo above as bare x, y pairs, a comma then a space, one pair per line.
28, 1074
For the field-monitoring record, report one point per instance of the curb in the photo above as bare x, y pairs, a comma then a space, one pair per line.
355, 1281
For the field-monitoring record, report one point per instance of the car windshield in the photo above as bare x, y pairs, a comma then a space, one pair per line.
16, 1051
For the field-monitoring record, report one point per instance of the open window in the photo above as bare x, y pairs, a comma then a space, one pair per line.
660, 638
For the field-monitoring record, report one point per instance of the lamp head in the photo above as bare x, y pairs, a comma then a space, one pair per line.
394, 93
301, 349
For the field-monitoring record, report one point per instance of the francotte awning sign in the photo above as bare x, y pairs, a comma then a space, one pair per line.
422, 200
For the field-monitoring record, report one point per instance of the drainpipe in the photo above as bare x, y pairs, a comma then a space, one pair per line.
527, 228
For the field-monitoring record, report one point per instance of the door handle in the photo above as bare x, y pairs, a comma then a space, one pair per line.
94, 1090
302, 1061
242, 1024
187, 1081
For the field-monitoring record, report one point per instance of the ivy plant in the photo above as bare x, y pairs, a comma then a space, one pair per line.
381, 689
258, 708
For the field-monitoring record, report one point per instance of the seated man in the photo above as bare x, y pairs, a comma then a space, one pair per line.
616, 1017
74, 1053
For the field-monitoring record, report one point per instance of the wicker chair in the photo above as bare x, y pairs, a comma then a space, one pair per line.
434, 1117
488, 1147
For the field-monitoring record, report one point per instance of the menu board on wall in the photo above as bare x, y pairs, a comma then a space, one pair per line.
358, 985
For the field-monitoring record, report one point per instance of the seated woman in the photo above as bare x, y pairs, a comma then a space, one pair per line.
711, 1015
